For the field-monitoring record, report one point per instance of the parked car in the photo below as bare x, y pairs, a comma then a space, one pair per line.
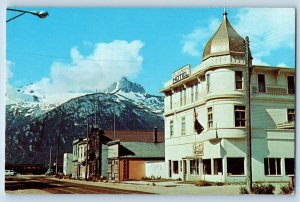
10, 173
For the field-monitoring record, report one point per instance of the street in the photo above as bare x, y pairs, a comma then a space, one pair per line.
35, 184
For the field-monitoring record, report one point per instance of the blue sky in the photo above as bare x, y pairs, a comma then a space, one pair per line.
84, 49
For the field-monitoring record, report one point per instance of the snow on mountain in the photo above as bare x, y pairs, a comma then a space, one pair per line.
32, 100
127, 90
125, 85
34, 118
34, 93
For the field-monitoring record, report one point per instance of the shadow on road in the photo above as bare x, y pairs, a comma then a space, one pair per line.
12, 184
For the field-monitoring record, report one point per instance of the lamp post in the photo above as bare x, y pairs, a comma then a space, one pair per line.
40, 14
87, 140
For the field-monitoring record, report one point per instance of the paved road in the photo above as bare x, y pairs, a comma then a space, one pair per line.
46, 184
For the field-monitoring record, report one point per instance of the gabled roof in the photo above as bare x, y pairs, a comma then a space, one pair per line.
142, 150
134, 136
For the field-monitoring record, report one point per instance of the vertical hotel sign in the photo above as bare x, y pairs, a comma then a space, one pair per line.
181, 74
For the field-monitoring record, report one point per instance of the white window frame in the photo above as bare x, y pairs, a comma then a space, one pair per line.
287, 85
183, 126
265, 87
292, 113
208, 87
276, 167
210, 122
240, 119
171, 128
236, 80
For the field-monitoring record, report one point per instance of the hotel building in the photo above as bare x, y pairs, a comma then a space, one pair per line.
215, 92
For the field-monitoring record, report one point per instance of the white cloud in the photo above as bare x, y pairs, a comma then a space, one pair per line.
281, 65
9, 66
194, 42
269, 29
258, 61
107, 64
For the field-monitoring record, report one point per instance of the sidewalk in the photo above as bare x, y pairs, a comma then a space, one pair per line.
164, 187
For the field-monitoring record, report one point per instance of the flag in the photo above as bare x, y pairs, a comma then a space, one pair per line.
197, 126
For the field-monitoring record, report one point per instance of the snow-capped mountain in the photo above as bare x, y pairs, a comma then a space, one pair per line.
31, 126
126, 90
126, 86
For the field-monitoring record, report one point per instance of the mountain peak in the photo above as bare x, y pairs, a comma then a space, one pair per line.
126, 86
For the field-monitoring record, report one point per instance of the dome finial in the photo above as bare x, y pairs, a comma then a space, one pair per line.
225, 13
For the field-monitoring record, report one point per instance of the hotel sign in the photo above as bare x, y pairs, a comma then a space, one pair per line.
198, 149
181, 74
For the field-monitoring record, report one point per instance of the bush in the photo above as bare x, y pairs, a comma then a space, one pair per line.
263, 189
219, 183
202, 183
286, 189
243, 190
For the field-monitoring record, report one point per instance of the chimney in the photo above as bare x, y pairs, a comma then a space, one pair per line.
155, 135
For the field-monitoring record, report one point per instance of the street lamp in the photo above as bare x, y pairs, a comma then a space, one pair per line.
87, 141
40, 14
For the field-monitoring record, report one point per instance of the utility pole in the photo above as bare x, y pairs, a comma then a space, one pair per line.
50, 159
114, 126
248, 63
57, 151
87, 150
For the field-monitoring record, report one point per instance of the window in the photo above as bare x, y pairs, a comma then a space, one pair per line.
218, 168
183, 126
194, 167
184, 96
272, 166
261, 83
181, 166
171, 102
291, 115
170, 168
209, 117
175, 167
208, 83
238, 80
235, 166
289, 166
171, 128
207, 166
181, 94
291, 84
240, 116
192, 93
196, 91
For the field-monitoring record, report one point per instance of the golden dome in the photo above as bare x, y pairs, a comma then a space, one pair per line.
226, 41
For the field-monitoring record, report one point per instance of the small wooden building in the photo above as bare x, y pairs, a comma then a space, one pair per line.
126, 160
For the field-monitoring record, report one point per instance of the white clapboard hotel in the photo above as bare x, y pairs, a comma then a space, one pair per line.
216, 90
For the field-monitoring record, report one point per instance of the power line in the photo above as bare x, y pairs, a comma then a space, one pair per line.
86, 59
264, 35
